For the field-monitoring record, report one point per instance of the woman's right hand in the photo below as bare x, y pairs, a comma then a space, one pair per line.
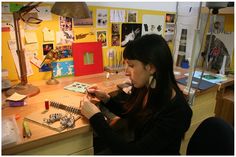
93, 91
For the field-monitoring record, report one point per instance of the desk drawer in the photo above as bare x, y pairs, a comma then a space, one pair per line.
67, 146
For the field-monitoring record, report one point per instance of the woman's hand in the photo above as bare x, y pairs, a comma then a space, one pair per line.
93, 91
87, 108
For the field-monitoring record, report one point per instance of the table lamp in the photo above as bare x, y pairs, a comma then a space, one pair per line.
67, 9
23, 87
77, 10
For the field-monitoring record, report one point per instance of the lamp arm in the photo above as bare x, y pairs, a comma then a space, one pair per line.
24, 10
20, 51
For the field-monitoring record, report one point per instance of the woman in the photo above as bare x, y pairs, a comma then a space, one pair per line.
156, 110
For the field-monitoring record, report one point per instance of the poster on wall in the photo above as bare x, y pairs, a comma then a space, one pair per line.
84, 22
102, 18
153, 24
61, 69
222, 45
115, 34
102, 37
132, 16
130, 32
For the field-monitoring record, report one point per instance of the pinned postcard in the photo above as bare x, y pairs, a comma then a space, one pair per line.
37, 62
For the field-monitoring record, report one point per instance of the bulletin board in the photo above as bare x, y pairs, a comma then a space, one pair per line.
105, 27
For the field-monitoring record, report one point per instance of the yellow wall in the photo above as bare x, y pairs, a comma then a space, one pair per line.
7, 60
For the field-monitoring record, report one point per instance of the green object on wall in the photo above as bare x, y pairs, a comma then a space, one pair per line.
15, 7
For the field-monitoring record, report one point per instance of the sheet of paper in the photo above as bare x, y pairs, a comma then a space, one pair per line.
31, 37
44, 13
48, 35
16, 97
12, 44
16, 61
12, 35
31, 47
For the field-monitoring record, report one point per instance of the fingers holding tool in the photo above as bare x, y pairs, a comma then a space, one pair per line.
90, 93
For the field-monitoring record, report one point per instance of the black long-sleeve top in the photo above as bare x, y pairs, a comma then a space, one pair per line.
161, 134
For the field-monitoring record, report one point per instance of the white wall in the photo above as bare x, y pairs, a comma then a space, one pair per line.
159, 6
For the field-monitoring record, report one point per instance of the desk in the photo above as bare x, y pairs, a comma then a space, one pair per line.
79, 140
45, 141
225, 101
206, 104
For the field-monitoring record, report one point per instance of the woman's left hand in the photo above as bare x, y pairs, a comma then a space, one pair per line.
88, 109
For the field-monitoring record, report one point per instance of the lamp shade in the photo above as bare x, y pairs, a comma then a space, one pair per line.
71, 9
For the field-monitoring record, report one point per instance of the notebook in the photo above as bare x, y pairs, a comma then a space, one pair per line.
195, 81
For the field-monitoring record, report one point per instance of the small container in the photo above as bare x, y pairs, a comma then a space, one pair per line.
46, 104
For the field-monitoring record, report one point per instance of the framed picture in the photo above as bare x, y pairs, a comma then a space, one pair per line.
87, 58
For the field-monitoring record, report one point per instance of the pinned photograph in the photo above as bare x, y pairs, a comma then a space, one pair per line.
47, 48
65, 51
170, 18
115, 36
65, 23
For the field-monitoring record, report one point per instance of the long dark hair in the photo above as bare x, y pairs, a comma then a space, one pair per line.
152, 49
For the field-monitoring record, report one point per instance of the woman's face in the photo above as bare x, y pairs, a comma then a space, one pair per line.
138, 73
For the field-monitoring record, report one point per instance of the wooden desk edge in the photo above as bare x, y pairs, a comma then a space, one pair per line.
44, 141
